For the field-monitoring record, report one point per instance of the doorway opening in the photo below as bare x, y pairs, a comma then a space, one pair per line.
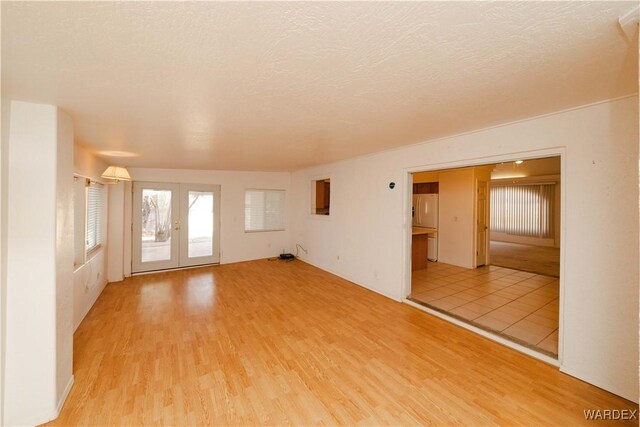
175, 225
485, 248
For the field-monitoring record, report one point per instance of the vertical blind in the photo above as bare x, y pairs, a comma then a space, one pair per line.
94, 215
264, 210
523, 209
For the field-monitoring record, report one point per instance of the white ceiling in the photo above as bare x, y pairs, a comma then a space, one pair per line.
281, 86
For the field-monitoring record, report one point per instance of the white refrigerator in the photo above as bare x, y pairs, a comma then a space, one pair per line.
425, 214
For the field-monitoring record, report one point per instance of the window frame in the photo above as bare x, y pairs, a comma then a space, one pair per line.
548, 213
313, 210
99, 237
82, 256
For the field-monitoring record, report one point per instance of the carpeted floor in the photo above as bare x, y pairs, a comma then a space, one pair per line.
534, 259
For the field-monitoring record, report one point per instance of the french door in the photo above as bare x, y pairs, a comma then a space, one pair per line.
175, 225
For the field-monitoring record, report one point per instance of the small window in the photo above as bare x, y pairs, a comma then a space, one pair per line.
263, 210
94, 216
321, 196
523, 209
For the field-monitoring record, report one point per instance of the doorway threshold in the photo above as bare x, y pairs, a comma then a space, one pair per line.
189, 267
492, 335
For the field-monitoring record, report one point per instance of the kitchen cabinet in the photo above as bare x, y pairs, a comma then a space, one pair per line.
426, 188
419, 247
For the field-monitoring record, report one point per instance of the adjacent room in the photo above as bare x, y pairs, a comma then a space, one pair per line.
486, 248
319, 213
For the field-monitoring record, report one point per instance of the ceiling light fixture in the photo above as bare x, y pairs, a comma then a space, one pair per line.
116, 173
518, 162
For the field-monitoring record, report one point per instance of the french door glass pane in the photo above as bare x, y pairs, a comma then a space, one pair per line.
156, 225
200, 224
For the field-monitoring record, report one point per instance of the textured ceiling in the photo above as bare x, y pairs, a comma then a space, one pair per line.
281, 86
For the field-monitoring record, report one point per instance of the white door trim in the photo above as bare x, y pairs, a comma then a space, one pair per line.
137, 265
179, 224
476, 231
185, 260
405, 286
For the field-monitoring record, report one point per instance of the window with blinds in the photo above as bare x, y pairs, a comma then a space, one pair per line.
94, 216
263, 210
523, 209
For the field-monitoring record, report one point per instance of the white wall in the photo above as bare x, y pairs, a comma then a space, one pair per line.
366, 238
538, 167
115, 256
64, 256
420, 177
38, 319
4, 156
86, 164
235, 244
480, 174
456, 217
90, 278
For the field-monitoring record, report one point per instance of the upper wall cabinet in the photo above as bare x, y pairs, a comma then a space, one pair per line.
321, 196
426, 188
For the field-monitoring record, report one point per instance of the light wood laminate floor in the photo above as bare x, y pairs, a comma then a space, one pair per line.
275, 343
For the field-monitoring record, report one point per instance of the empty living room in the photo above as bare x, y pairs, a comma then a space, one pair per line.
282, 213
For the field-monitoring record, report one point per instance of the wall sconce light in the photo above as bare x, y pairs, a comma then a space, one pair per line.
116, 173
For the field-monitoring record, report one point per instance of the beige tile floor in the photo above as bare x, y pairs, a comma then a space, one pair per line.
518, 305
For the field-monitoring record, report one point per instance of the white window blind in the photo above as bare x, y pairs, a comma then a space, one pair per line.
523, 209
94, 216
264, 210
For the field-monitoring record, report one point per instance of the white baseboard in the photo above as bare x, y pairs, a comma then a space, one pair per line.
35, 419
384, 294
612, 388
64, 396
497, 338
88, 307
